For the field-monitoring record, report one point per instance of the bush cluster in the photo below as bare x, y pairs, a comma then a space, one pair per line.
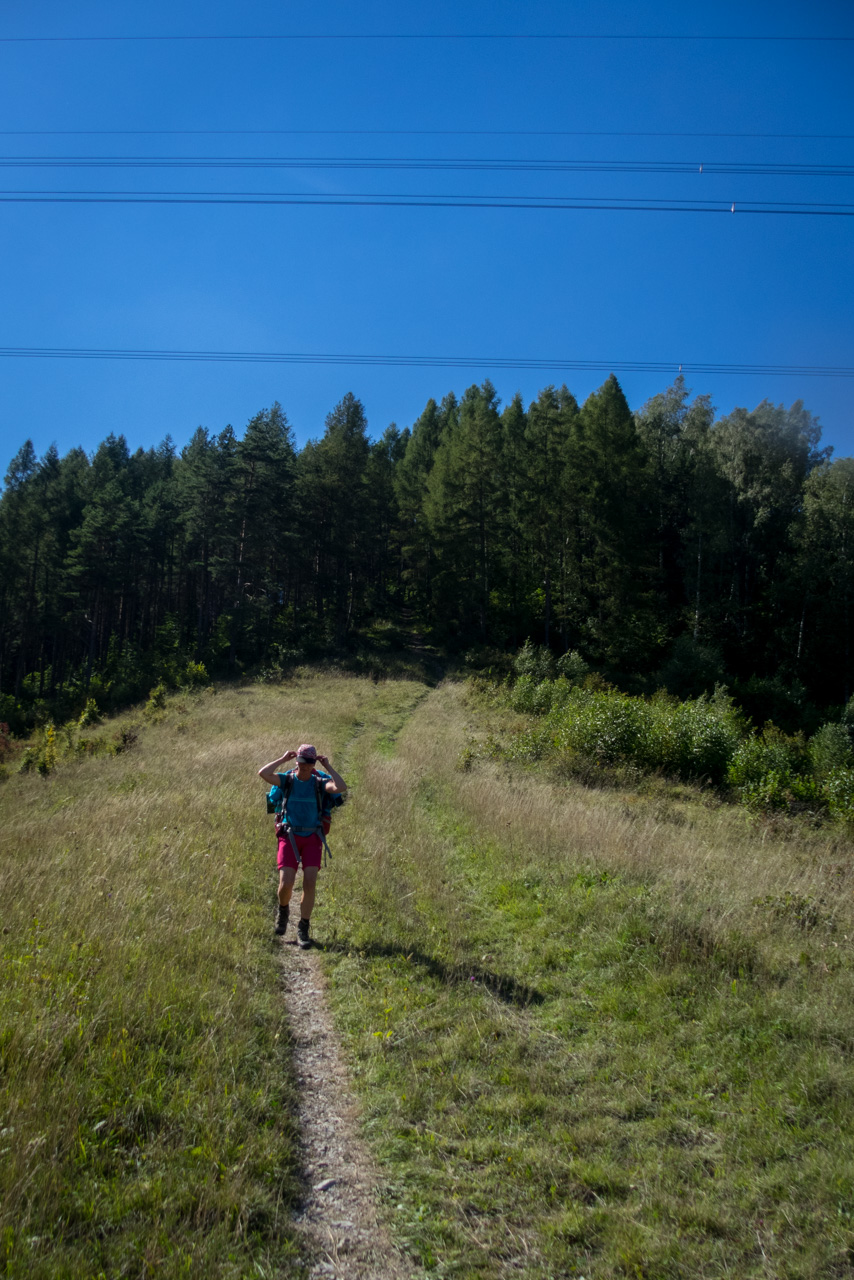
53, 744
582, 720
690, 740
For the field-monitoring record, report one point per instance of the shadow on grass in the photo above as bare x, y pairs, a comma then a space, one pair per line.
501, 986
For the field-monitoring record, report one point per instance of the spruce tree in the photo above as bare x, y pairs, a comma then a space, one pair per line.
616, 533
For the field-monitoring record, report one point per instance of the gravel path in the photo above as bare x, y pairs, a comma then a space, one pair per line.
338, 1217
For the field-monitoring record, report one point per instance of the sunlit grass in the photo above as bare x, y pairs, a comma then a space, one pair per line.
596, 1033
146, 1088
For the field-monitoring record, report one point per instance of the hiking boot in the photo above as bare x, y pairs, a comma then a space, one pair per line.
302, 933
282, 919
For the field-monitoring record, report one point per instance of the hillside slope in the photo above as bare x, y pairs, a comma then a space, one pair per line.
593, 1033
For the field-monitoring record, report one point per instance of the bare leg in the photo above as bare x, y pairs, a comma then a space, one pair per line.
287, 875
309, 885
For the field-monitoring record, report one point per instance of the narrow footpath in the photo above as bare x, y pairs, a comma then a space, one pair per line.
338, 1216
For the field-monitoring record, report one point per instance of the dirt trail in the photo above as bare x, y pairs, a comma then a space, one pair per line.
338, 1218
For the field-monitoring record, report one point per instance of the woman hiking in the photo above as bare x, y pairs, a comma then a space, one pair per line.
300, 833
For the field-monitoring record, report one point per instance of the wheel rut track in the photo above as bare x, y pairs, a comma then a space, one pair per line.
339, 1219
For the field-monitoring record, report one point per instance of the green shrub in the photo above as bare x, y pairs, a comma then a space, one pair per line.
830, 749
705, 739
42, 753
538, 698
770, 751
195, 673
604, 726
839, 793
534, 661
156, 699
783, 789
694, 739
597, 723
687, 739
573, 667
773, 770
90, 714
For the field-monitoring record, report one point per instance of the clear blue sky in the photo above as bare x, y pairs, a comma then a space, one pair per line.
592, 285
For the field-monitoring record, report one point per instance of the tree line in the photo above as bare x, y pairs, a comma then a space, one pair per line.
660, 544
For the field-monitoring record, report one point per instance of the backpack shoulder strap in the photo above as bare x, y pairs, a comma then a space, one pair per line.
286, 786
319, 793
323, 811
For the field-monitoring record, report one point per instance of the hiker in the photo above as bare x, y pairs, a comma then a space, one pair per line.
300, 840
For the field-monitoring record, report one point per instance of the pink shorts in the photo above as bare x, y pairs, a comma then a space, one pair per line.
310, 852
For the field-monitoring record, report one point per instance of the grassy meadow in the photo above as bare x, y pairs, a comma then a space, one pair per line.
600, 1033
146, 1096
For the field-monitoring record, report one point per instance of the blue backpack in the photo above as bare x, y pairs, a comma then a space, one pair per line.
277, 803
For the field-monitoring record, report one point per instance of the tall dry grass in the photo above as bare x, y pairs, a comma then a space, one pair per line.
707, 857
597, 1032
146, 1094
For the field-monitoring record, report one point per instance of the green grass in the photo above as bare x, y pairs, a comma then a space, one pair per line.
146, 1087
569, 1065
594, 1033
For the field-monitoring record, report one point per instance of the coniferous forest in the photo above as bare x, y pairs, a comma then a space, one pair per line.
667, 546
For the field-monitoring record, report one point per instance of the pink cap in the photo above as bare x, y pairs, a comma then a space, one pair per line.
307, 752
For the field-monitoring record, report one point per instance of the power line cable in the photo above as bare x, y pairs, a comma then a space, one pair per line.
426, 35
411, 133
425, 200
546, 200
440, 202
446, 163
431, 362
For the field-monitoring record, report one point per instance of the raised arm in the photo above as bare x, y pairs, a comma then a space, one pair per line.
270, 772
337, 786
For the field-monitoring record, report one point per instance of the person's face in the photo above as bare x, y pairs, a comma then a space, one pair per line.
305, 768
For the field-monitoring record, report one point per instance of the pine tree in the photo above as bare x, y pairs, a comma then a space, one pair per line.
382, 568
411, 476
264, 491
464, 508
616, 533
550, 509
336, 529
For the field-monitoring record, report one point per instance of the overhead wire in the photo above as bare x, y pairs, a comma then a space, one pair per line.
428, 35
393, 199
726, 206
412, 133
672, 367
535, 201
432, 163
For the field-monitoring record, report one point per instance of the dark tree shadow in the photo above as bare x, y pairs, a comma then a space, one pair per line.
500, 985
